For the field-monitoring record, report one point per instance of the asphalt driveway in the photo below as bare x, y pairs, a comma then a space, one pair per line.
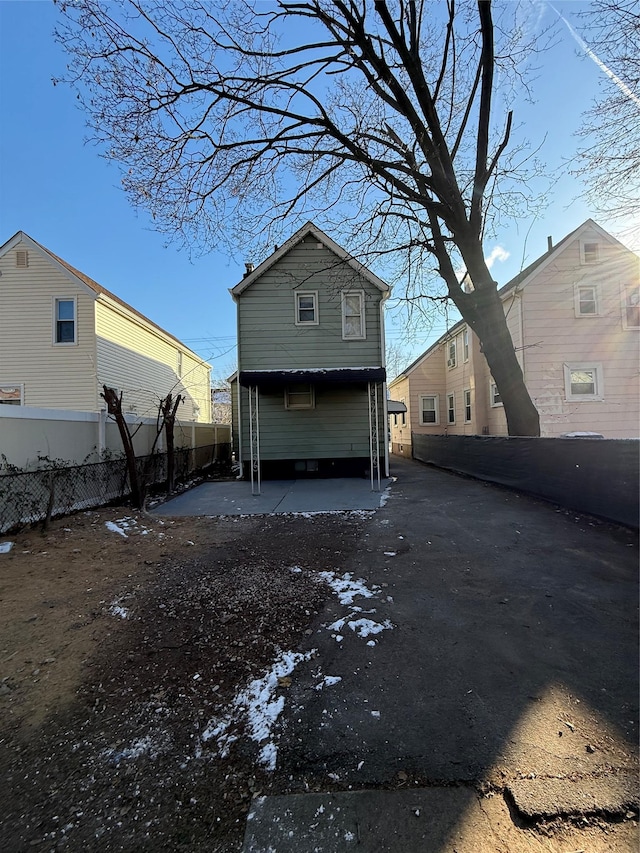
505, 653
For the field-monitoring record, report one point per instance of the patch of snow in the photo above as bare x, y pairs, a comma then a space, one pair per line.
371, 643
366, 627
110, 525
295, 569
5, 547
329, 681
346, 588
258, 705
390, 553
116, 609
142, 746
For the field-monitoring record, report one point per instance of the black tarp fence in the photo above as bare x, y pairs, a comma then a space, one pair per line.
596, 476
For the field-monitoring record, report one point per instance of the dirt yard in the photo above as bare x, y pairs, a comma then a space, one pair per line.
115, 648
124, 639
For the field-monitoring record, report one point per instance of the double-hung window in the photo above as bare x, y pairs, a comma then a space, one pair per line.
465, 345
429, 410
467, 405
583, 382
494, 395
64, 324
586, 300
306, 307
451, 353
451, 408
631, 316
589, 252
353, 318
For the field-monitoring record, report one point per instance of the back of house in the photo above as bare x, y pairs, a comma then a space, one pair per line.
309, 393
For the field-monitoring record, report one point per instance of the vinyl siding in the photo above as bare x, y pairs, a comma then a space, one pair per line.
558, 337
267, 335
338, 426
546, 335
60, 377
137, 360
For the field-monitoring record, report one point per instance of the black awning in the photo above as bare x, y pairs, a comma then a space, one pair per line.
264, 378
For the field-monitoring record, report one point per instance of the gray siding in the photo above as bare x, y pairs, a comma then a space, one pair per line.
267, 335
337, 428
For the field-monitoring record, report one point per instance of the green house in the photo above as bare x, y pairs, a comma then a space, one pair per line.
309, 395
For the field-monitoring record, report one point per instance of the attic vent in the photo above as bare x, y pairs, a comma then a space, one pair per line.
22, 258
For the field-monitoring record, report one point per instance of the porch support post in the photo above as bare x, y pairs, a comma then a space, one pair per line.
374, 446
254, 437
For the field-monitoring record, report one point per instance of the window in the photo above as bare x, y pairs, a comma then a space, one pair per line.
494, 395
307, 308
65, 321
465, 345
451, 353
631, 317
299, 397
11, 395
586, 300
583, 382
353, 325
589, 252
429, 410
451, 408
467, 405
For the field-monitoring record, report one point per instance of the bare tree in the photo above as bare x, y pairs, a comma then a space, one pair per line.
378, 115
610, 158
165, 422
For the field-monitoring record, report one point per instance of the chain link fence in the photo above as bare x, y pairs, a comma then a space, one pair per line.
27, 497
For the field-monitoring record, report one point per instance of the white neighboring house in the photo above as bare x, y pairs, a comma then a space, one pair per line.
574, 317
63, 336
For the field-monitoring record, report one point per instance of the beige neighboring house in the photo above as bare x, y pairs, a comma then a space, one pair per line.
574, 317
63, 336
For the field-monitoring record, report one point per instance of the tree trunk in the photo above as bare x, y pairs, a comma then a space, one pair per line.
486, 317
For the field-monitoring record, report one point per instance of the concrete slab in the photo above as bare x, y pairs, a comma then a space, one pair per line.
612, 794
371, 821
277, 496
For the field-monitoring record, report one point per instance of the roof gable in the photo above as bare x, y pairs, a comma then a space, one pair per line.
519, 281
309, 229
90, 286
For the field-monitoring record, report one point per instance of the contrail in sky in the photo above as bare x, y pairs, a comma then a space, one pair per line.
619, 83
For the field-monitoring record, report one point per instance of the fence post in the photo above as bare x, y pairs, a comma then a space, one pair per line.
102, 432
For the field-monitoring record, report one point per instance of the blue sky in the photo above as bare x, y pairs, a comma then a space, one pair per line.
62, 193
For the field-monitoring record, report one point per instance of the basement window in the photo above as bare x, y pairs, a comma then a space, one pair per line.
11, 395
299, 397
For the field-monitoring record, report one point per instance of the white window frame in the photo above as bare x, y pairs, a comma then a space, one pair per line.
56, 300
343, 304
451, 353
12, 386
579, 288
626, 304
292, 404
451, 407
466, 400
585, 257
596, 368
493, 393
436, 409
465, 345
316, 314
